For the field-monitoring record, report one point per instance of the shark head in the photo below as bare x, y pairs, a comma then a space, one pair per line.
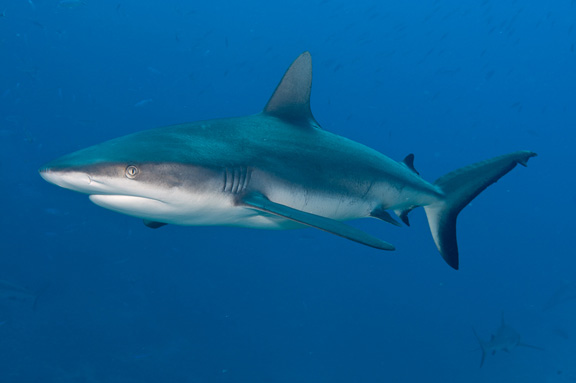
136, 175
190, 174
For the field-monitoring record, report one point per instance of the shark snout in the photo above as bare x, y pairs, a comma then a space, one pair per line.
72, 180
48, 174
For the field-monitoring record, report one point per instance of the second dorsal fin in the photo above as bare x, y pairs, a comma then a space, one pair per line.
409, 163
291, 99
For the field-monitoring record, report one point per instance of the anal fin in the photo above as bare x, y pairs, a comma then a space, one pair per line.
259, 202
403, 215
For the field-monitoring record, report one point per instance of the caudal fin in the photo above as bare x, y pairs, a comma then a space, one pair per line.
460, 187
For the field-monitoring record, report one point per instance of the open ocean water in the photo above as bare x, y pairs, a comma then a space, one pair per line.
89, 295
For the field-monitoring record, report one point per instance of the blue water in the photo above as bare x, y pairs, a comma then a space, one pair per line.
453, 82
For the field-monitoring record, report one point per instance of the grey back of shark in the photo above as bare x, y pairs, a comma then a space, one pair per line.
277, 169
504, 339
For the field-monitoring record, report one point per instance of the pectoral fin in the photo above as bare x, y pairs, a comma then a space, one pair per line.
259, 202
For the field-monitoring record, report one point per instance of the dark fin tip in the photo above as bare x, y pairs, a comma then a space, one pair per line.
405, 219
448, 240
153, 224
409, 162
404, 216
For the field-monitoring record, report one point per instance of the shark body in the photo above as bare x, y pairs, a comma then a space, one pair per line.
13, 292
277, 169
504, 339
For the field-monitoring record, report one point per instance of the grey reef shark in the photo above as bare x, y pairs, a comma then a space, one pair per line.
277, 169
504, 339
12, 292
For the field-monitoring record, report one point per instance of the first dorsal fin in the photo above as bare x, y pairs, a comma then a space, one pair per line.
291, 99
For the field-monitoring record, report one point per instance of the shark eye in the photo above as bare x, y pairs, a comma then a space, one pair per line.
132, 171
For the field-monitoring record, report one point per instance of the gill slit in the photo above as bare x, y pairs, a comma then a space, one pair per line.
236, 179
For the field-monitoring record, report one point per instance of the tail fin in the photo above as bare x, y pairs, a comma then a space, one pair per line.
482, 346
460, 187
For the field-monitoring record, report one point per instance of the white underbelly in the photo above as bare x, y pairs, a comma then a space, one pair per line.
216, 210
334, 206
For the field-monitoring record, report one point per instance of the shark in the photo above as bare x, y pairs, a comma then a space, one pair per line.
504, 339
276, 169
12, 292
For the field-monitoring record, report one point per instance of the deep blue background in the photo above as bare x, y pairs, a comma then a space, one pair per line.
453, 82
